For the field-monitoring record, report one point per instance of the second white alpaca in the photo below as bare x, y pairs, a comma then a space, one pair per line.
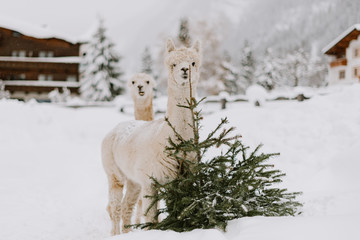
134, 151
141, 89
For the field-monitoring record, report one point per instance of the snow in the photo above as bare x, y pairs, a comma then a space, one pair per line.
256, 94
32, 30
52, 184
273, 228
169, 235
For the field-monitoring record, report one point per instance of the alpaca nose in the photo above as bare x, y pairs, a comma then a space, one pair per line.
140, 87
184, 69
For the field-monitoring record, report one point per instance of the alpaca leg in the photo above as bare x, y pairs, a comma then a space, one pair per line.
139, 211
131, 197
114, 207
149, 213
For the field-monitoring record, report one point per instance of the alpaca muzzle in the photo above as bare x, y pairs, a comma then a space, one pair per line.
141, 92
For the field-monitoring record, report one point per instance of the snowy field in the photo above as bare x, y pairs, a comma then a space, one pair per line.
52, 185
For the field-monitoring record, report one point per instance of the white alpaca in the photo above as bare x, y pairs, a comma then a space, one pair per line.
141, 90
134, 151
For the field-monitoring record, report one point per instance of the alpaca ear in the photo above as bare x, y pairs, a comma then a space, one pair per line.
170, 46
197, 46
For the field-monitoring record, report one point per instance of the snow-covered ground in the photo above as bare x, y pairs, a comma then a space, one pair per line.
52, 185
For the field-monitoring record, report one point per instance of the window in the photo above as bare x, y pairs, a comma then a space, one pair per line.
342, 74
71, 78
22, 53
356, 52
42, 54
42, 77
45, 77
20, 76
356, 71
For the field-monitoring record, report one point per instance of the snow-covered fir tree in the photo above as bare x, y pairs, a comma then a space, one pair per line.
247, 65
317, 71
100, 70
296, 64
208, 33
269, 70
184, 33
229, 74
147, 62
293, 68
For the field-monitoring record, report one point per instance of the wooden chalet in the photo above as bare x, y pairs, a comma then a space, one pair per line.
345, 53
31, 67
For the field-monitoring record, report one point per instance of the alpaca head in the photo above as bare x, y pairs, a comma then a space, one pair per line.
141, 86
180, 61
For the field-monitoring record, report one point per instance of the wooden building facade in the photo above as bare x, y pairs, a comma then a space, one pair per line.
345, 57
31, 67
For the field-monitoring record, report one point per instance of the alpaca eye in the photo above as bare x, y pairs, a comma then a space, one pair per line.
174, 65
133, 82
193, 64
147, 82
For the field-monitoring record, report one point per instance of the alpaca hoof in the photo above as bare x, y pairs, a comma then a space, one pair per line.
115, 232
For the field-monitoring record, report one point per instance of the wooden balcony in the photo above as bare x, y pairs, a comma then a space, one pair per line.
338, 62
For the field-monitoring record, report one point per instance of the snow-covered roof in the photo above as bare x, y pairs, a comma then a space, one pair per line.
337, 40
39, 83
42, 60
32, 30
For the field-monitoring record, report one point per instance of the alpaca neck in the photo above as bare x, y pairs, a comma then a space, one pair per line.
144, 111
180, 117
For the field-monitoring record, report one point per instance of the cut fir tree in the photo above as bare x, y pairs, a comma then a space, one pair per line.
209, 192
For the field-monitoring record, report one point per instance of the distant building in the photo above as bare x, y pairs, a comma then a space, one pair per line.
32, 66
345, 53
